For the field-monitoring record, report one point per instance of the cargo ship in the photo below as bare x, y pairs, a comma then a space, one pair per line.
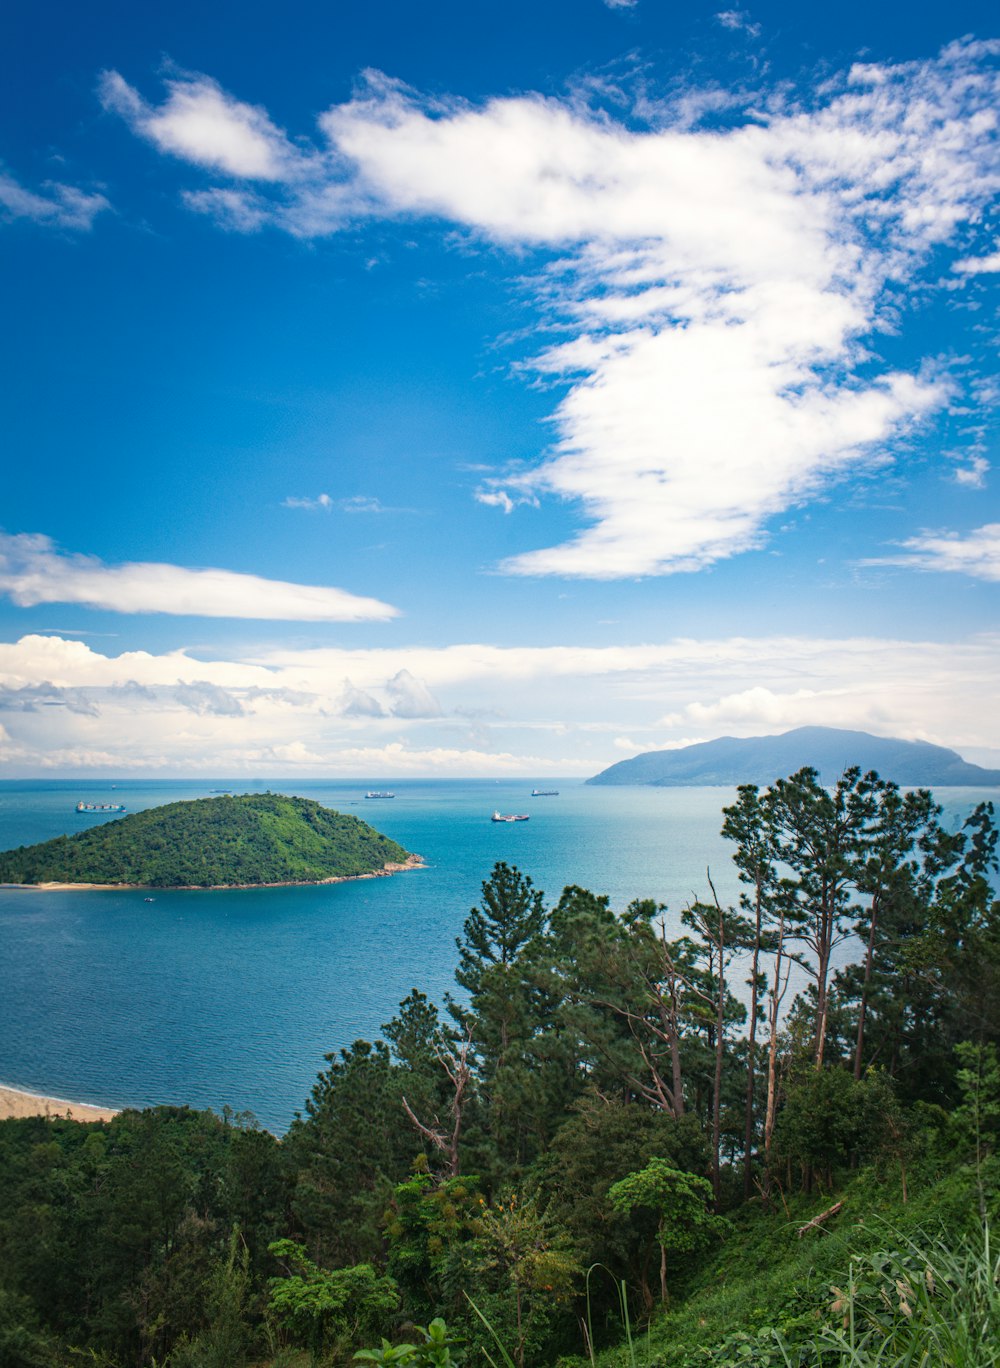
100, 807
509, 817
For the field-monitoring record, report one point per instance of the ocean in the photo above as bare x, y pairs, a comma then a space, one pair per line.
232, 998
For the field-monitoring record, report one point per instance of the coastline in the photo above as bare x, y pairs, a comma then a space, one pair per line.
14, 1102
414, 862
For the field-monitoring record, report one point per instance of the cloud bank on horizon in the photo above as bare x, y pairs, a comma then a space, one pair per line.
720, 289
472, 709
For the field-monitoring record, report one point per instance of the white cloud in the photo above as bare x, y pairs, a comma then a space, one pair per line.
973, 475
208, 700
199, 122
986, 265
715, 286
975, 553
738, 21
358, 703
562, 710
58, 206
33, 570
321, 501
410, 697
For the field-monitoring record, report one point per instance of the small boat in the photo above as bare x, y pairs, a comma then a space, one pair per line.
379, 793
100, 807
149, 900
545, 793
509, 817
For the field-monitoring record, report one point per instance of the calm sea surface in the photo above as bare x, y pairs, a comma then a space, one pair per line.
216, 998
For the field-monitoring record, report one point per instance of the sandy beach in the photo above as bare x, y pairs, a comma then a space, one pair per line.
413, 862
15, 1103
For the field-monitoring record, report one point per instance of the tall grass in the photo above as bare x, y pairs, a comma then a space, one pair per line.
927, 1304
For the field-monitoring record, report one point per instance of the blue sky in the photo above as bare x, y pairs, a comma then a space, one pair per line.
494, 389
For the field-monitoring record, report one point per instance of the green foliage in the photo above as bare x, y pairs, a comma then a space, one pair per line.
590, 1076
435, 1349
323, 1309
430, 1226
254, 838
681, 1203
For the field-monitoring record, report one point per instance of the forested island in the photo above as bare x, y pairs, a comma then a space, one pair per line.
624, 1141
246, 840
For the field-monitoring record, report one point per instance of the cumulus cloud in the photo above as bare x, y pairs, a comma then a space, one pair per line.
34, 570
208, 700
984, 265
358, 703
410, 697
716, 287
55, 206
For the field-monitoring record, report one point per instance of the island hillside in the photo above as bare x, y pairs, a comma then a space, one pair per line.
829, 750
253, 838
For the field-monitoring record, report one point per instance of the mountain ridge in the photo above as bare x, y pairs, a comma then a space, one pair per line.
729, 760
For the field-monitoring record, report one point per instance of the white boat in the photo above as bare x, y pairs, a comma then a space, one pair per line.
509, 817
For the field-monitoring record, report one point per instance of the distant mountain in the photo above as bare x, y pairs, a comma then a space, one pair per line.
252, 839
760, 760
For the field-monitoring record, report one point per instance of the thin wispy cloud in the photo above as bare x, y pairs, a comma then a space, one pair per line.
976, 554
738, 21
321, 501
54, 205
34, 570
717, 290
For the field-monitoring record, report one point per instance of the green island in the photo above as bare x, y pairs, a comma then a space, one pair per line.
252, 839
624, 1142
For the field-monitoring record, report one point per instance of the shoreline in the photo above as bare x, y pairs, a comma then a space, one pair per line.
414, 862
17, 1103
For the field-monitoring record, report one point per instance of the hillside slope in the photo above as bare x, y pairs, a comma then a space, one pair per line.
254, 838
830, 750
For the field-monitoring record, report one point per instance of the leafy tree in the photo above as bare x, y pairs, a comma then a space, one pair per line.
504, 1005
681, 1203
348, 1152
429, 1226
322, 1309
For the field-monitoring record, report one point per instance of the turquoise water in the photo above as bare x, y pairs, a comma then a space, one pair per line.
233, 998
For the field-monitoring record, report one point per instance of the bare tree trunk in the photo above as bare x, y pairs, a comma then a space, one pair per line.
751, 1050
456, 1066
863, 1008
773, 1012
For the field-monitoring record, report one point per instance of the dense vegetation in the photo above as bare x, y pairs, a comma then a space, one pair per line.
594, 1152
253, 838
